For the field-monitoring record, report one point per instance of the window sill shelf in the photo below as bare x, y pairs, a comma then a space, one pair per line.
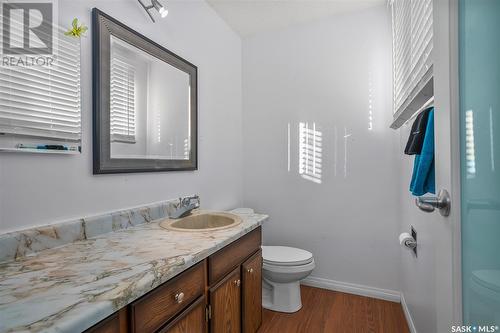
39, 151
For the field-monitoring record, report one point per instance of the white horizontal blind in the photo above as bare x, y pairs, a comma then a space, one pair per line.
412, 49
44, 101
122, 100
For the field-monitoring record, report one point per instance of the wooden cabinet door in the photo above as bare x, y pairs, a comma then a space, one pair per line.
252, 293
225, 302
116, 323
191, 320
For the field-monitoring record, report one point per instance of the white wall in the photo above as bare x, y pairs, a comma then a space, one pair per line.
329, 72
38, 189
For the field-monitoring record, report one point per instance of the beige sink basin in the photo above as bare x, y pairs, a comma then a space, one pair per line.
202, 221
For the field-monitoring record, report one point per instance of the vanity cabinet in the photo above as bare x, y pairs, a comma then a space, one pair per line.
251, 272
116, 323
193, 319
225, 304
221, 294
233, 255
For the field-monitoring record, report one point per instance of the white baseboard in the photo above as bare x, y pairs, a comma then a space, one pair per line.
409, 319
351, 288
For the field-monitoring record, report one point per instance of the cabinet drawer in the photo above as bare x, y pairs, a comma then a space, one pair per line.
231, 256
153, 310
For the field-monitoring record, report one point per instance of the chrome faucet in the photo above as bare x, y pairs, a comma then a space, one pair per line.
186, 205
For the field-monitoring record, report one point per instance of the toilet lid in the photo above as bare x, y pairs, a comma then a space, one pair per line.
285, 256
489, 278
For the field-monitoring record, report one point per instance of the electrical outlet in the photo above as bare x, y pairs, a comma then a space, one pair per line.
414, 235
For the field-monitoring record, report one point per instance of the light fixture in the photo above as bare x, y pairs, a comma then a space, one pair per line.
162, 10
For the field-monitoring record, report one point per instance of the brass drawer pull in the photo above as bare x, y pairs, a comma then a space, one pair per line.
237, 282
179, 297
250, 270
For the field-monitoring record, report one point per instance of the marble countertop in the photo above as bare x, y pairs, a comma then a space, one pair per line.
72, 287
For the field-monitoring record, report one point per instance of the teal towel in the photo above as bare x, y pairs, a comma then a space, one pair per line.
423, 179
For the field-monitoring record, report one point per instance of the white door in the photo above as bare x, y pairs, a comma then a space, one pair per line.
430, 283
446, 230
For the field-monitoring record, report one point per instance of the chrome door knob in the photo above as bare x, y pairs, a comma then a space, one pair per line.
430, 203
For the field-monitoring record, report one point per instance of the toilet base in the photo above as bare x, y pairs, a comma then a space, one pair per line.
281, 297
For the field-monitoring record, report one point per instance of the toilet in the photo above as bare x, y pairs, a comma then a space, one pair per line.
282, 269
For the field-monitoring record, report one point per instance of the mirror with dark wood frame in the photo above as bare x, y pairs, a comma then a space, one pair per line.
145, 102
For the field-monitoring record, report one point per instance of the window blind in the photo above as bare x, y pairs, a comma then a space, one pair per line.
122, 101
412, 49
44, 101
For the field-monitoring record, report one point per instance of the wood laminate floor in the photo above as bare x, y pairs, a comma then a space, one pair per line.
330, 311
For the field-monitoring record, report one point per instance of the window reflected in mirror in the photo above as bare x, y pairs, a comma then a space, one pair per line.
149, 106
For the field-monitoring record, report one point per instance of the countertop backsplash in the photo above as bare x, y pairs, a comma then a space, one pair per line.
18, 244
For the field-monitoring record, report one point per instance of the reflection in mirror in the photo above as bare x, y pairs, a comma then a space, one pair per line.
149, 106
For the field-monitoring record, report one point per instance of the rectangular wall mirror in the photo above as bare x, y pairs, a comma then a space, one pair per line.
145, 103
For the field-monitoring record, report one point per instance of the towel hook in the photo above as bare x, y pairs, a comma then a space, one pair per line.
430, 203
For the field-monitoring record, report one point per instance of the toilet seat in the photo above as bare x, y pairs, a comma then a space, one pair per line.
285, 256
289, 269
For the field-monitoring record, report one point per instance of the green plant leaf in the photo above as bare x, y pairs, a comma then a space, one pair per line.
75, 23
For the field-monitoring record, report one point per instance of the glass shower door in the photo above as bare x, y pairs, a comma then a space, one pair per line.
479, 24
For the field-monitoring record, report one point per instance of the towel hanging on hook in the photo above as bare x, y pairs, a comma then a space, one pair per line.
417, 133
423, 178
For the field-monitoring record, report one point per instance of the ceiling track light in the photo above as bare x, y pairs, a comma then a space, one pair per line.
162, 10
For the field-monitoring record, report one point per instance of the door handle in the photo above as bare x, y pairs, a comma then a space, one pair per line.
430, 203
